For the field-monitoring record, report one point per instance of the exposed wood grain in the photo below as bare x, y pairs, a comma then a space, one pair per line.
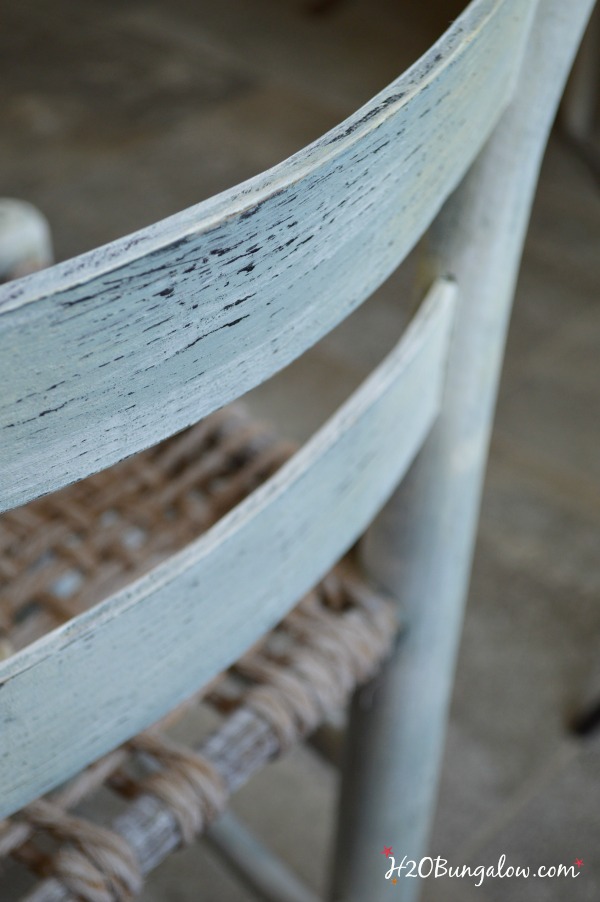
112, 671
237, 749
149, 828
112, 351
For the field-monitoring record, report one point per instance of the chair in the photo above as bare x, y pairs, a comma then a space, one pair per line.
174, 563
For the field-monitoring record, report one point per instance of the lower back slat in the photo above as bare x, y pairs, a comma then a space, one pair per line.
93, 683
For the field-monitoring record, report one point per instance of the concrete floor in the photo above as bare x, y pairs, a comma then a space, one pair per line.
117, 115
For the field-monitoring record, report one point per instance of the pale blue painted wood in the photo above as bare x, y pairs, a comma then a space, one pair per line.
76, 339
112, 351
109, 673
420, 548
269, 878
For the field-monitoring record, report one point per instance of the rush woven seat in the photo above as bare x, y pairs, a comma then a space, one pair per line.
65, 552
62, 553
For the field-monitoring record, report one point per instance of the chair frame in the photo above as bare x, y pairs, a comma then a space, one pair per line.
421, 544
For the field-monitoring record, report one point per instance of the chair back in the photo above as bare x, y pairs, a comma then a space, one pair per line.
111, 352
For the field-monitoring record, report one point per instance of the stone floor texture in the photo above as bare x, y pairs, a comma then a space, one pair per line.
116, 115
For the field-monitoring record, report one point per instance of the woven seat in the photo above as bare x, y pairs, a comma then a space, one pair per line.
65, 552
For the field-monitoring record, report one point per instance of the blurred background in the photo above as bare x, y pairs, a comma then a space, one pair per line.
116, 115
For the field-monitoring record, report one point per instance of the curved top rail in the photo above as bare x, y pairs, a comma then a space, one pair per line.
113, 350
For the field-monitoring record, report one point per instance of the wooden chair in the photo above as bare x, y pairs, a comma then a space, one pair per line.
112, 352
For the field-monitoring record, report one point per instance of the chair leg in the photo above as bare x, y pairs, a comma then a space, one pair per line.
420, 548
397, 724
25, 244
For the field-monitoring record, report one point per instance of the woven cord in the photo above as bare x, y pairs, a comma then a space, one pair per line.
337, 652
100, 533
95, 864
187, 783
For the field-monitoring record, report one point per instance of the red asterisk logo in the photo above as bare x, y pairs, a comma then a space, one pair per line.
387, 851
578, 862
